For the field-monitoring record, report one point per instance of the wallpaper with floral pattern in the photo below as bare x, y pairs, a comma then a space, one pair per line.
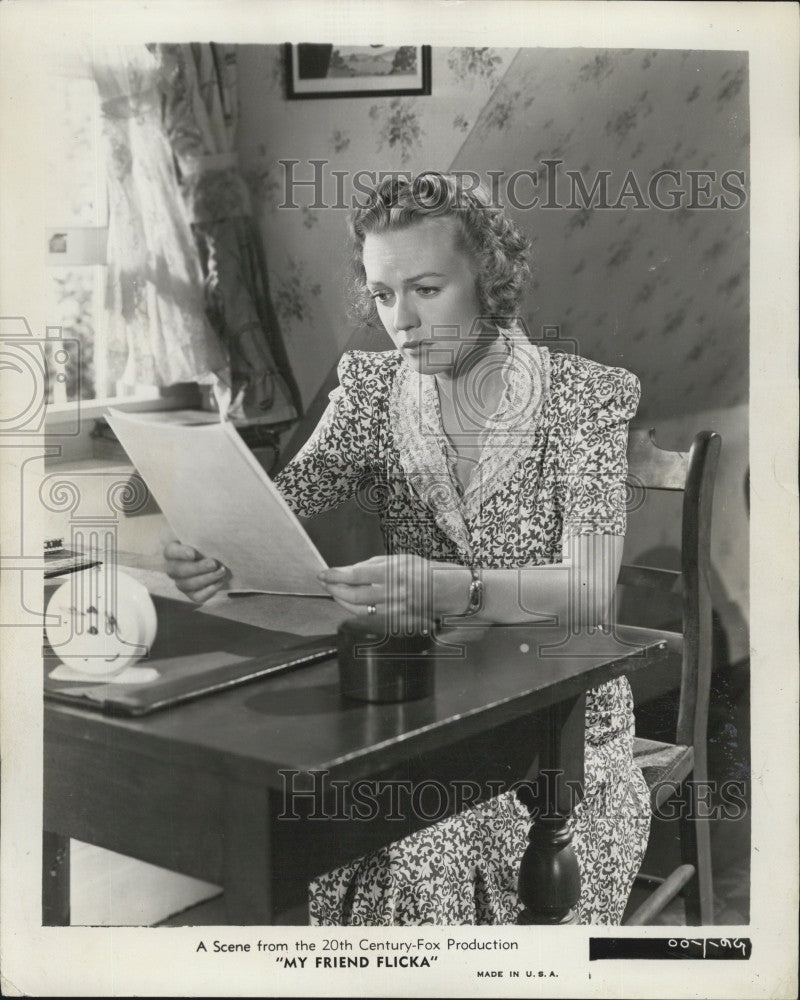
661, 291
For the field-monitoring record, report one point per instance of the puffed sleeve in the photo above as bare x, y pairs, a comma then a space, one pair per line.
345, 444
596, 464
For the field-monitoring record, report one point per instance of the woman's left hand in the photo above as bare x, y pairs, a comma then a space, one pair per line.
406, 590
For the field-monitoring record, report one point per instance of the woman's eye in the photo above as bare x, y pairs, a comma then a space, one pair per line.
381, 296
427, 290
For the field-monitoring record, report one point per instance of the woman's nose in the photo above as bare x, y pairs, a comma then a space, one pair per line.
405, 316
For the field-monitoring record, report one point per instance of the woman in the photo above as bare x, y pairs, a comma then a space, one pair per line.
498, 464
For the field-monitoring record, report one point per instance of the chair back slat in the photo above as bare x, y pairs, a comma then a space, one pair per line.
668, 581
653, 468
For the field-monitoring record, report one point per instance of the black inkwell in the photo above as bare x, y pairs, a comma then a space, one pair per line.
376, 665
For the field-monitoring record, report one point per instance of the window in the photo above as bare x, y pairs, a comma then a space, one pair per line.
77, 212
77, 209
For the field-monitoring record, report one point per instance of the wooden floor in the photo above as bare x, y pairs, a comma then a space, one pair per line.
729, 760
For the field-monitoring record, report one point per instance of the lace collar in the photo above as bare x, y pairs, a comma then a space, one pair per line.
507, 438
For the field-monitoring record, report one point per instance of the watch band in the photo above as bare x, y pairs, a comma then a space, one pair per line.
475, 593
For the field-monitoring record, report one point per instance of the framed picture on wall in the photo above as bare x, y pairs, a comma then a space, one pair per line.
315, 70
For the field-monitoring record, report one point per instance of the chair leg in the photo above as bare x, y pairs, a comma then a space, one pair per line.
695, 841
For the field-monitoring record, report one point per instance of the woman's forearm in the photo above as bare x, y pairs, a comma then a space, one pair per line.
577, 591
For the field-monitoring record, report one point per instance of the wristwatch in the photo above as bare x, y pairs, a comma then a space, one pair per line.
475, 594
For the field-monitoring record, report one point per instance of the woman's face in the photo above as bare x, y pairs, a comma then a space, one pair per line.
424, 289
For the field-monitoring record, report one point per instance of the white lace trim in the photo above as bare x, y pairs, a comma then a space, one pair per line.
506, 441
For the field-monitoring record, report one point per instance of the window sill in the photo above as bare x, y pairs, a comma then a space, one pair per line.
69, 426
91, 463
178, 397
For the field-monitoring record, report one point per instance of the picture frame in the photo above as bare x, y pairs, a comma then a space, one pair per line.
328, 70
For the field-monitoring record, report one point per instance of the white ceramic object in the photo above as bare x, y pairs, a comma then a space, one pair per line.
100, 621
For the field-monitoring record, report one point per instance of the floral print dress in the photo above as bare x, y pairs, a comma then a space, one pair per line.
552, 465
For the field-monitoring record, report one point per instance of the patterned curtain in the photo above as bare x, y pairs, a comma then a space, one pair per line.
156, 323
200, 112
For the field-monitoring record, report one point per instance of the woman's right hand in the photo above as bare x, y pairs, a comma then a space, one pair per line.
195, 575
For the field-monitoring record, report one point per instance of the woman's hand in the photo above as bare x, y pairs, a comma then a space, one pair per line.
194, 575
407, 591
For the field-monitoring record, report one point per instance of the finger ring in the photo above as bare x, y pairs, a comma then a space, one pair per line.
371, 609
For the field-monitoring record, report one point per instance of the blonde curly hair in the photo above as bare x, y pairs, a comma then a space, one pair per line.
486, 234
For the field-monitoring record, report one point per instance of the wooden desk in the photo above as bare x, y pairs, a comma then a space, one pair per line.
201, 789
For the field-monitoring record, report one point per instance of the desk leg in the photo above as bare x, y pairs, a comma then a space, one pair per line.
247, 873
549, 878
55, 880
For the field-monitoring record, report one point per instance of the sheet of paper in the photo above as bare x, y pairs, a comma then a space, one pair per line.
300, 615
309, 616
218, 499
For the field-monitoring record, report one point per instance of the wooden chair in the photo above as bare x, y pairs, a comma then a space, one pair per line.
667, 766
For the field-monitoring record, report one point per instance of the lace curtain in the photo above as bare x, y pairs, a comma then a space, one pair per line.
187, 296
